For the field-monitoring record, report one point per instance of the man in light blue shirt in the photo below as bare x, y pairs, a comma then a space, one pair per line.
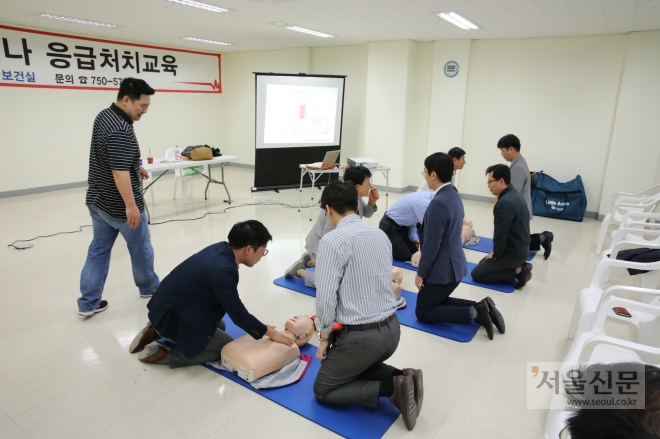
400, 223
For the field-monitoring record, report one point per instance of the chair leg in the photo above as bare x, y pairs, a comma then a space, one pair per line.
601, 236
176, 180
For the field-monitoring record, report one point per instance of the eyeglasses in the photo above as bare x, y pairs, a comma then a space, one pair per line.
490, 181
257, 248
424, 172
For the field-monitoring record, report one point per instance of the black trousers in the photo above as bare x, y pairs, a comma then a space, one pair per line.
535, 241
435, 306
496, 270
402, 247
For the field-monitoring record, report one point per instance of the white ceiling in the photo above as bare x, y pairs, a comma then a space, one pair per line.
249, 25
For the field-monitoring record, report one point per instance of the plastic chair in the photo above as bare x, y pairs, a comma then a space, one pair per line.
184, 175
644, 202
589, 298
634, 238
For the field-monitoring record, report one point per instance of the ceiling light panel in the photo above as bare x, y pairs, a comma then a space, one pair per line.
458, 21
202, 40
200, 5
309, 31
78, 20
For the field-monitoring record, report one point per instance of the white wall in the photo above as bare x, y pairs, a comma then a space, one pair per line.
352, 62
238, 88
53, 128
635, 152
558, 95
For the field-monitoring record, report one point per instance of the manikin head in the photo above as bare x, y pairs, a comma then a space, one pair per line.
360, 177
397, 278
302, 327
134, 97
248, 240
499, 178
509, 147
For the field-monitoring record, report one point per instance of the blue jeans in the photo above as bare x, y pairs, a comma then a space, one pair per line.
95, 271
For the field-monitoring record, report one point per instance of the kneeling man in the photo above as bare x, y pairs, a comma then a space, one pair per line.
353, 280
189, 304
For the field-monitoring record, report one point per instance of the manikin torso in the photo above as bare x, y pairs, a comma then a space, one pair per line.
252, 359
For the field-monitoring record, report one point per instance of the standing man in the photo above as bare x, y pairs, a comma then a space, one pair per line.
509, 147
114, 197
354, 288
443, 263
506, 262
190, 303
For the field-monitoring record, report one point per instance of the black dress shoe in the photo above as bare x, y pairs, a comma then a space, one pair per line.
524, 276
483, 318
547, 244
495, 315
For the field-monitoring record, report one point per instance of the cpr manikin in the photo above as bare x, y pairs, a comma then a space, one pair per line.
466, 235
252, 359
397, 278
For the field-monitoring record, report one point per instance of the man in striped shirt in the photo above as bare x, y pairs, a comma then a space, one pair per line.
114, 197
354, 288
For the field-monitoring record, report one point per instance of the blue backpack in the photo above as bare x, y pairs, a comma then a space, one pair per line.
553, 199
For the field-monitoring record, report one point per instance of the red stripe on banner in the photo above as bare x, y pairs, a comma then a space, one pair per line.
73, 87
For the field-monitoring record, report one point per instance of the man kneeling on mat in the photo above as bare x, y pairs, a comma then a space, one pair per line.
442, 264
361, 178
188, 306
354, 288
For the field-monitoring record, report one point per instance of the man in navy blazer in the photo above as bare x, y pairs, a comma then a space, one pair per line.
189, 304
443, 264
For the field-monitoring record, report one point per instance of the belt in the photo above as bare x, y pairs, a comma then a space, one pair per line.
369, 326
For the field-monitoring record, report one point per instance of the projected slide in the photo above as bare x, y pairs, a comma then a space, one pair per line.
300, 114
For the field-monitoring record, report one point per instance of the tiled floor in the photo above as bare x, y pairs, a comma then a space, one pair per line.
62, 376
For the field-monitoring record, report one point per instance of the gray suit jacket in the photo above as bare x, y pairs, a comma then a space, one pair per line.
443, 259
323, 226
521, 181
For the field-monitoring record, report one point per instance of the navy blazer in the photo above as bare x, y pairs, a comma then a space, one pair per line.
443, 259
191, 300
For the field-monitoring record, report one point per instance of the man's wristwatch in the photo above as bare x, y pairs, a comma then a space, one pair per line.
321, 339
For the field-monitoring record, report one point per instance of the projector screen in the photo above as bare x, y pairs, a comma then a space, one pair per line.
298, 111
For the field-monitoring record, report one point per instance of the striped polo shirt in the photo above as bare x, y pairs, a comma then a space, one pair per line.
114, 147
353, 275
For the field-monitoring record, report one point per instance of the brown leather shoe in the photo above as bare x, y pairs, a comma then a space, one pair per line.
404, 399
143, 338
154, 353
418, 381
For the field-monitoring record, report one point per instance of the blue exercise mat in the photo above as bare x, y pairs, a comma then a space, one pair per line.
497, 286
452, 331
485, 245
351, 421
296, 284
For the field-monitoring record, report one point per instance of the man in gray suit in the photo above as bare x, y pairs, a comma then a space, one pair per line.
443, 264
509, 147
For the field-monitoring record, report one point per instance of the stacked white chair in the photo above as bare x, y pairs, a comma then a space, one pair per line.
184, 176
622, 203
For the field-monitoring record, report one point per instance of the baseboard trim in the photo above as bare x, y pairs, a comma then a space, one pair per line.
238, 165
39, 190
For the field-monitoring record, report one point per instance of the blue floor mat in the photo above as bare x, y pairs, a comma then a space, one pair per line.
452, 331
485, 245
351, 421
498, 286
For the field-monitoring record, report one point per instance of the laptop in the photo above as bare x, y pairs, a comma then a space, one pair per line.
328, 161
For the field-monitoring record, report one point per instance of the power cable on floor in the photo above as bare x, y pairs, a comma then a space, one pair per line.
264, 203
